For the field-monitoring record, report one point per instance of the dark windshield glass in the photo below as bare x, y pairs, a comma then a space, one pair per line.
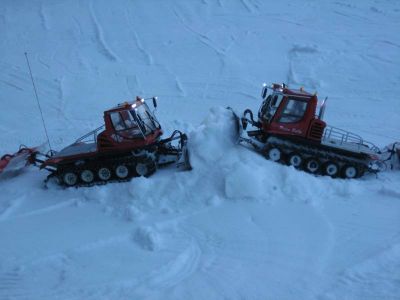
293, 111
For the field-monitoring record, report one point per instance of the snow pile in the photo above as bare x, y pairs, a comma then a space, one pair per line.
147, 238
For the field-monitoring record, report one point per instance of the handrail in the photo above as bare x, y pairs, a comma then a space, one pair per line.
93, 132
340, 137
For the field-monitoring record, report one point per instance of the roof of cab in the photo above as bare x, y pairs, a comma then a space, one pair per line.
126, 105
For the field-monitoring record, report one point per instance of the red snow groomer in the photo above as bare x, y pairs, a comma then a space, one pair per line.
129, 144
289, 130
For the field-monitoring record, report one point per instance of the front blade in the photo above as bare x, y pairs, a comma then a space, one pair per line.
238, 126
183, 163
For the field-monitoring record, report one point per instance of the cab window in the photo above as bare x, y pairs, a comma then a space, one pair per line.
117, 121
293, 111
270, 106
124, 121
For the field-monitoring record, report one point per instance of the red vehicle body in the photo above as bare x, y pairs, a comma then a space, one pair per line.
306, 124
289, 130
110, 139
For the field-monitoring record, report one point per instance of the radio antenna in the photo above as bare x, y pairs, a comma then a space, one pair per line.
37, 99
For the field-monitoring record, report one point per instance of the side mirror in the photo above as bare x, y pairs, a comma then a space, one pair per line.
264, 92
155, 102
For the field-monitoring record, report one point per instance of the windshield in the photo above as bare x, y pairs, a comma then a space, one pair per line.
135, 122
269, 106
146, 118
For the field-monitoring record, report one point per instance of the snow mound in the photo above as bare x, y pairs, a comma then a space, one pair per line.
147, 238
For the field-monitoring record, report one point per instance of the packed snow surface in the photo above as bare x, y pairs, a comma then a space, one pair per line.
237, 226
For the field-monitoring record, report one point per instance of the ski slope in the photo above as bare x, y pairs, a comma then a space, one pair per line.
237, 226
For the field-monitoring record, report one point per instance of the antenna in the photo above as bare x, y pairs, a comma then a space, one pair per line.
37, 99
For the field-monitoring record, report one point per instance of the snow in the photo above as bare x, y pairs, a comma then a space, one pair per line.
237, 226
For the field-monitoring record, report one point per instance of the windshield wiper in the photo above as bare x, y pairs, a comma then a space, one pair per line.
144, 123
152, 119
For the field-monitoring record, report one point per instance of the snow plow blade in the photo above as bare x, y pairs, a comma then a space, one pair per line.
238, 125
175, 154
184, 160
11, 163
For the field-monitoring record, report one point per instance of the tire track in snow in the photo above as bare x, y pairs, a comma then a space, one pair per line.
11, 84
102, 45
248, 6
302, 59
7, 209
375, 278
13, 77
133, 85
179, 86
10, 285
137, 39
43, 17
50, 208
145, 53
178, 269
203, 39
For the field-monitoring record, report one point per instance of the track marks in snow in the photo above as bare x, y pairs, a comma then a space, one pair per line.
179, 87
13, 77
10, 285
203, 39
249, 5
9, 83
178, 269
146, 54
302, 62
7, 208
375, 278
43, 17
49, 209
133, 85
102, 45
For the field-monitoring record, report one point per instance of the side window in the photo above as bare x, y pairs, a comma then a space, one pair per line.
293, 111
264, 107
117, 121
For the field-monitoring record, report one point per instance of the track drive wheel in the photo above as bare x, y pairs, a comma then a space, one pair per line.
312, 165
146, 168
121, 171
274, 154
87, 176
295, 160
104, 173
69, 178
331, 169
349, 171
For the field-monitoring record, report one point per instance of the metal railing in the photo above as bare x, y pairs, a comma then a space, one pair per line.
90, 137
345, 139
